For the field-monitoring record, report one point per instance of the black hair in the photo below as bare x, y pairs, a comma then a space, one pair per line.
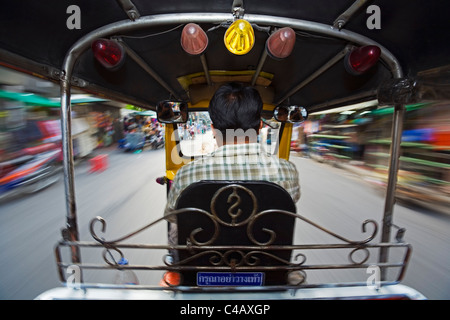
235, 106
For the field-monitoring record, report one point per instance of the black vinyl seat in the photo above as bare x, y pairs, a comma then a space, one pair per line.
230, 217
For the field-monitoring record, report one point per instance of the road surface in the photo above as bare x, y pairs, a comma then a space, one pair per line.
126, 195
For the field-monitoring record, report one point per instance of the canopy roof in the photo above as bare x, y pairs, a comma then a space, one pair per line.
36, 36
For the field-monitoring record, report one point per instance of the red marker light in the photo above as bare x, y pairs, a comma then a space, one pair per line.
281, 43
108, 52
361, 59
170, 279
193, 39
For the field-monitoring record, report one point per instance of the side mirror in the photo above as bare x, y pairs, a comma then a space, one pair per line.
172, 111
290, 114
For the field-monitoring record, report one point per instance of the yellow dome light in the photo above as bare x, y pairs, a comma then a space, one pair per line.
239, 37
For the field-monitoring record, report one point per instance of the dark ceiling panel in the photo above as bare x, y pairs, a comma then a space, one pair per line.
415, 31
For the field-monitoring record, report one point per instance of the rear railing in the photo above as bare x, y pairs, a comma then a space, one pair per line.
360, 257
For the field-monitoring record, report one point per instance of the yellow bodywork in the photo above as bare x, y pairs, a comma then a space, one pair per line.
175, 161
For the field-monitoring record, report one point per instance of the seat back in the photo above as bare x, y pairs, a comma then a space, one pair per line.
231, 217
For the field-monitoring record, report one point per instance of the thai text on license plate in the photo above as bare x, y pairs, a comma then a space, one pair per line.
230, 278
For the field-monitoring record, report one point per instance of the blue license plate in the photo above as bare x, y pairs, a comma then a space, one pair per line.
230, 278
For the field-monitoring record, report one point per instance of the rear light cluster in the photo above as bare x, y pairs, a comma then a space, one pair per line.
361, 59
109, 53
239, 39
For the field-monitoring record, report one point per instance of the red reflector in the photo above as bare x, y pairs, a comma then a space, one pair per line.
108, 52
361, 59
193, 39
281, 43
170, 278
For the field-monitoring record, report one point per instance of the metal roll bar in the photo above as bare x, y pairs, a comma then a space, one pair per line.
84, 43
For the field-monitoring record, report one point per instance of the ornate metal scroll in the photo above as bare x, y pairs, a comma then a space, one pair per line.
246, 257
234, 200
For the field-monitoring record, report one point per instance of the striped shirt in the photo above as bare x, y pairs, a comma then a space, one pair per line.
237, 162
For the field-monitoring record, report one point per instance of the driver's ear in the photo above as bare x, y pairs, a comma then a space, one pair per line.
217, 135
261, 124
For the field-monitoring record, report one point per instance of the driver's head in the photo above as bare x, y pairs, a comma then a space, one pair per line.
235, 106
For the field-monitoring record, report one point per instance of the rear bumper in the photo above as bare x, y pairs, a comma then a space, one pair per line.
326, 292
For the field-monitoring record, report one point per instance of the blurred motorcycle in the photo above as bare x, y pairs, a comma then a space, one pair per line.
156, 141
34, 169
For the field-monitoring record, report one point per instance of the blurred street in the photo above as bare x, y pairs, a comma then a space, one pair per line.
126, 195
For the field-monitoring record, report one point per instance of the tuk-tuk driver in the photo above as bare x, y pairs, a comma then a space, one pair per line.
235, 112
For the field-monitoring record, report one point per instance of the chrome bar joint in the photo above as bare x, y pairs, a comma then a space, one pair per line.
342, 20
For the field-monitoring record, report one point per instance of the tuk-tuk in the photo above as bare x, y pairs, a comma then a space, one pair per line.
302, 57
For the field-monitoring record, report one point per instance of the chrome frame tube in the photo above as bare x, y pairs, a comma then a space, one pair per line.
205, 69
216, 18
338, 57
136, 58
71, 231
397, 129
344, 17
259, 67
